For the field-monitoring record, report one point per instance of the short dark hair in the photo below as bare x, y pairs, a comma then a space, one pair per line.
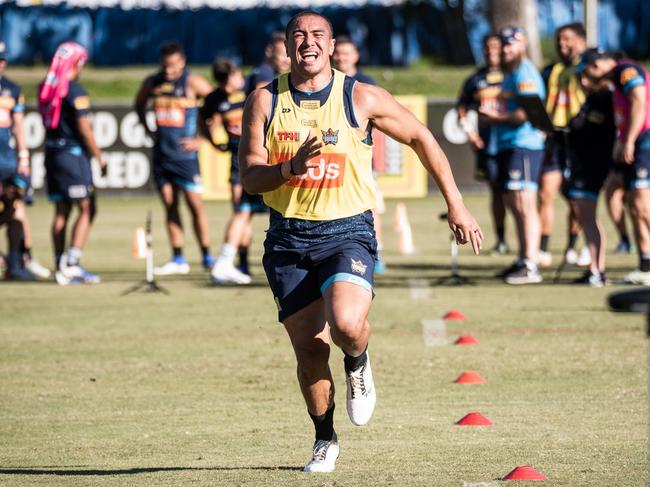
306, 13
171, 47
490, 36
222, 68
346, 40
576, 27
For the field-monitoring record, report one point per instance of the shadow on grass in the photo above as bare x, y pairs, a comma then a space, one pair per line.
132, 471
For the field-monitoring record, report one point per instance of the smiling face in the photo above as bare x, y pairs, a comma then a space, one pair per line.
492, 52
173, 66
310, 44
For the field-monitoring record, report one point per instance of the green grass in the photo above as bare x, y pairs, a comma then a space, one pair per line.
199, 387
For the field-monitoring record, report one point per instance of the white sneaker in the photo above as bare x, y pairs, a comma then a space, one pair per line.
225, 272
33, 266
324, 456
361, 395
544, 259
528, 274
637, 277
172, 267
571, 257
584, 259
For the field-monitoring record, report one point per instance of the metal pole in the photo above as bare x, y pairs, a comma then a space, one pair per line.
591, 21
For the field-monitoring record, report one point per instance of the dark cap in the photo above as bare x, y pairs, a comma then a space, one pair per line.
589, 57
511, 34
3, 51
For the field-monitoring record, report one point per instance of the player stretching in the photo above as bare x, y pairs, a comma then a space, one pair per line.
175, 93
69, 145
632, 116
305, 147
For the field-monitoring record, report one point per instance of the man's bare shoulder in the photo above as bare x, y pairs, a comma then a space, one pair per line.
370, 99
259, 101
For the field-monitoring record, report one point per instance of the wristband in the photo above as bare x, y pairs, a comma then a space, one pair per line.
23, 154
291, 167
282, 172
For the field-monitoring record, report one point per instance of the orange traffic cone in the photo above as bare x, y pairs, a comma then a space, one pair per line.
403, 227
139, 244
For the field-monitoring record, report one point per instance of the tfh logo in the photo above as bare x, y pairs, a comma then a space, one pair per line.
289, 136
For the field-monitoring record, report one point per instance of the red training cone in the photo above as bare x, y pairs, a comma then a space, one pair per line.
454, 315
474, 419
524, 473
470, 377
466, 340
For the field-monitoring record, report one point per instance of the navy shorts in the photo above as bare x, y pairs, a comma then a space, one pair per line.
299, 275
183, 174
234, 168
253, 203
637, 175
586, 178
555, 154
69, 174
519, 169
487, 168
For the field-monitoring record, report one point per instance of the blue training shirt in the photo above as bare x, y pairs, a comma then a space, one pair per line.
11, 101
76, 104
524, 80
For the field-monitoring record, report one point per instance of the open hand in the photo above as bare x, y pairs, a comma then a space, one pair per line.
465, 227
309, 149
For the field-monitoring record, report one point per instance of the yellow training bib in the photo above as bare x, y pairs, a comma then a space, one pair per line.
342, 184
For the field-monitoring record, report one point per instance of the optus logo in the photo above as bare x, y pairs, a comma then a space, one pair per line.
329, 172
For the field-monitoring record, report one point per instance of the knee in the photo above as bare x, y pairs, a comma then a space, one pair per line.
348, 325
312, 358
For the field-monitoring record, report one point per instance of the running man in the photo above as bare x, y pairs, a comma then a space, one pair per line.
564, 100
520, 153
482, 89
632, 115
224, 107
305, 146
175, 93
345, 58
14, 171
69, 145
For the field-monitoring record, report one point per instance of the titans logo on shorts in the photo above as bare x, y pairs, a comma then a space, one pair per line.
69, 175
519, 169
637, 174
299, 272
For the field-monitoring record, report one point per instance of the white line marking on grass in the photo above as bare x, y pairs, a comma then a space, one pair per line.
480, 484
420, 288
434, 333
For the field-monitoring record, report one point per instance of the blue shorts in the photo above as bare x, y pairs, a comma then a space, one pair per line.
183, 174
519, 169
299, 275
234, 168
487, 168
555, 153
69, 174
637, 174
253, 203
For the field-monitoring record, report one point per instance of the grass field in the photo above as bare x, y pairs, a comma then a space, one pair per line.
199, 387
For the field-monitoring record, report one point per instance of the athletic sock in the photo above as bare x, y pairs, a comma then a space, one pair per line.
57, 260
644, 262
228, 252
354, 363
243, 257
74, 255
501, 234
573, 237
177, 252
625, 239
324, 425
543, 245
24, 250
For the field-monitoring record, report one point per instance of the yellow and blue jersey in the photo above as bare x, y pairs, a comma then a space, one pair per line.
481, 90
565, 95
175, 117
342, 184
11, 101
231, 108
524, 80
